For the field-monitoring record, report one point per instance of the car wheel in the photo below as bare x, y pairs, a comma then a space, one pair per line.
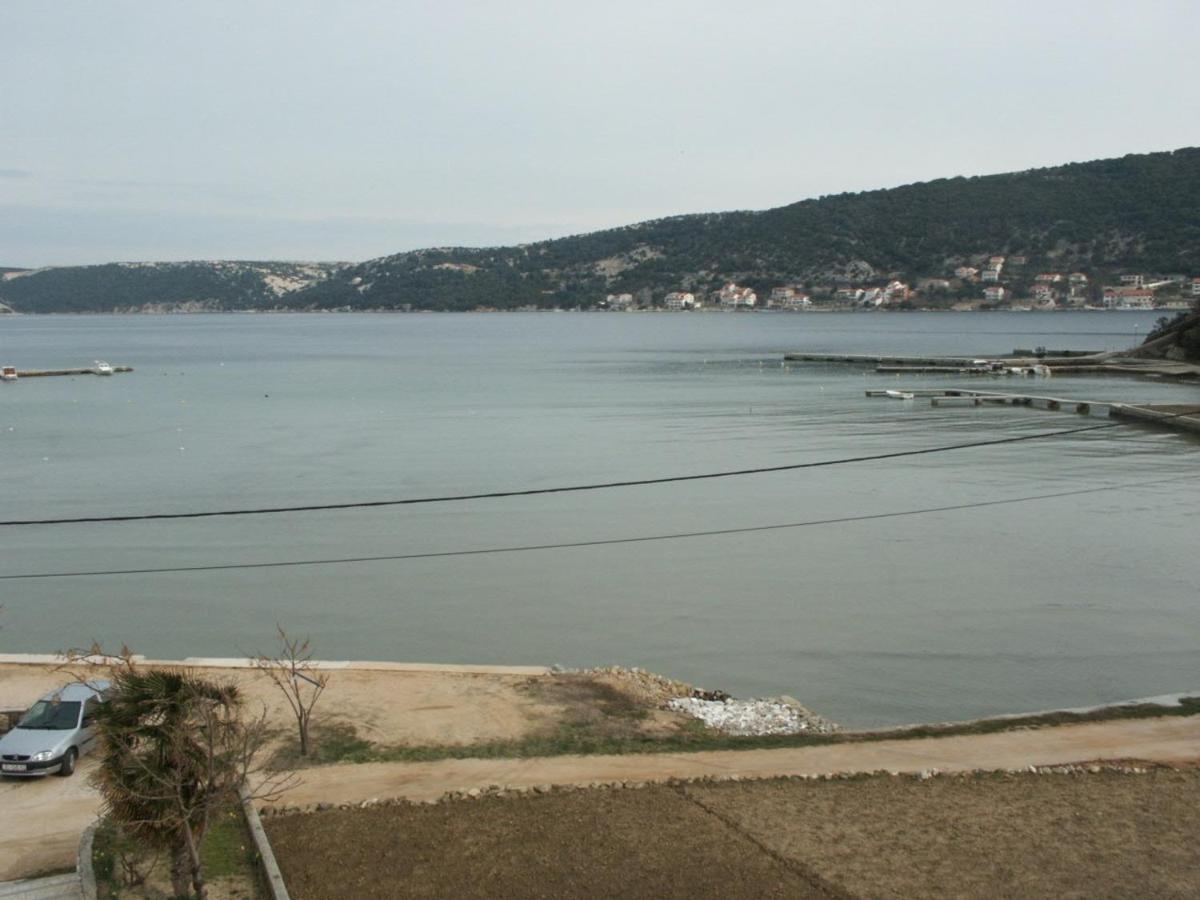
68, 763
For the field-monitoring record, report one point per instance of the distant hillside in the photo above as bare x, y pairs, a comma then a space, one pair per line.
1136, 213
159, 287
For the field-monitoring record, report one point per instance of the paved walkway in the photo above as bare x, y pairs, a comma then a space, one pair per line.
1161, 740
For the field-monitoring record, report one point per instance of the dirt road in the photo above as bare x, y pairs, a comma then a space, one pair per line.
1162, 740
42, 820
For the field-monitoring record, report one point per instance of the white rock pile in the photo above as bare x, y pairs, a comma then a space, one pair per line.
753, 717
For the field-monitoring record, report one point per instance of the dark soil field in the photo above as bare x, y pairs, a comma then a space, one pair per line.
631, 843
1074, 835
1086, 835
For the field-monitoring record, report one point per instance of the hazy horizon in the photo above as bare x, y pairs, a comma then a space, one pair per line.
136, 131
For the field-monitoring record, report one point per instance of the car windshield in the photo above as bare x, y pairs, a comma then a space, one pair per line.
51, 715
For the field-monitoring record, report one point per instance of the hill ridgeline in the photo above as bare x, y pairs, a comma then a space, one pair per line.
1137, 213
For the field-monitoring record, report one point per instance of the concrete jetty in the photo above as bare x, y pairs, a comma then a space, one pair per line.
1062, 362
1175, 417
953, 363
46, 373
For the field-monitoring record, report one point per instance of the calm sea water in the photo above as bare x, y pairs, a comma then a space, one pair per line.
1057, 602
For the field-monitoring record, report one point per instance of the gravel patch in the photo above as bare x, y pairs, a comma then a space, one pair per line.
753, 717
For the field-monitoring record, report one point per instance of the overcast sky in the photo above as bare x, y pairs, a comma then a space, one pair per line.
295, 129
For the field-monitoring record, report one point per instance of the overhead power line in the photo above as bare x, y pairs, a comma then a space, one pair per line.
602, 542
529, 492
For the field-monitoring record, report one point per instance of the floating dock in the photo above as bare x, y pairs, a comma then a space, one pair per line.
954, 363
1061, 362
46, 373
1175, 417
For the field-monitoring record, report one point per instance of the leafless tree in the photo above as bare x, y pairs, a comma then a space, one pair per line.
292, 670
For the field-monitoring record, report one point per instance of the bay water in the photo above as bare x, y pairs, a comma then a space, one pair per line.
1063, 601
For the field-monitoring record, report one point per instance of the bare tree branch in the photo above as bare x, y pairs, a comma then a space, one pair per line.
297, 677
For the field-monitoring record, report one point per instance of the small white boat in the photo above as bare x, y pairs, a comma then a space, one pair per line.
102, 368
8, 373
900, 395
1041, 370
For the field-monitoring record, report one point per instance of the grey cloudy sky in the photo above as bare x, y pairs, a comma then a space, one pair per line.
297, 129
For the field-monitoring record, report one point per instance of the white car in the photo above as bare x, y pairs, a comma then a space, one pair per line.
54, 733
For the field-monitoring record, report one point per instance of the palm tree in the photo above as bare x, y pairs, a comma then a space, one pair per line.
174, 751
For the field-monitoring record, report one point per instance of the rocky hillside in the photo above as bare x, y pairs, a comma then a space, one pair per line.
1133, 214
160, 287
1176, 339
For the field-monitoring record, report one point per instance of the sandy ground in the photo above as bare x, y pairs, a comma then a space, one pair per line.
1168, 740
399, 706
443, 706
407, 707
42, 821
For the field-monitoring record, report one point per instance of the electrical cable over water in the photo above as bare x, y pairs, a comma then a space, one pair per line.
528, 492
603, 542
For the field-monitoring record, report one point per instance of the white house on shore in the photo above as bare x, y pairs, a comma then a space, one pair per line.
680, 300
619, 301
995, 293
788, 297
1044, 292
733, 297
1128, 298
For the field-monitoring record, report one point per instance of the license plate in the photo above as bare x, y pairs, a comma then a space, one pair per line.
13, 767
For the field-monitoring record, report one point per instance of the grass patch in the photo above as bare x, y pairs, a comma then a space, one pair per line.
125, 869
599, 720
227, 848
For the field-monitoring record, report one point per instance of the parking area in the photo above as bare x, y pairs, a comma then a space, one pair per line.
43, 818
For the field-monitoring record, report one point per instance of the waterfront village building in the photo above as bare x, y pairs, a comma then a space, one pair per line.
619, 301
1077, 278
994, 293
1133, 280
1196, 287
873, 297
851, 294
1049, 277
800, 301
990, 275
1017, 260
1043, 292
1128, 298
735, 297
681, 300
896, 291
788, 297
966, 273
995, 262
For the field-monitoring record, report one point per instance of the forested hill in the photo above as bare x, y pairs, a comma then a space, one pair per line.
1137, 213
159, 287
